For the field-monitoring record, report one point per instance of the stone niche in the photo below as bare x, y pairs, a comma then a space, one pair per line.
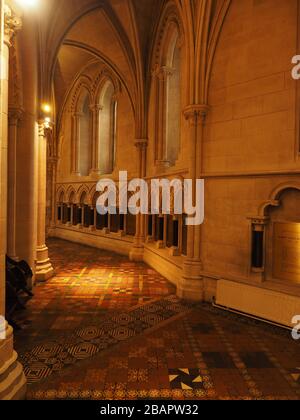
283, 244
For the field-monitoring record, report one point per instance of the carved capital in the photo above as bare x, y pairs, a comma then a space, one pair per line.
15, 115
141, 144
162, 73
259, 222
12, 24
196, 114
77, 115
45, 130
94, 108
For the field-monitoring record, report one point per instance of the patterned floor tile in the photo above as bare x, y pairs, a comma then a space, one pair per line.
106, 328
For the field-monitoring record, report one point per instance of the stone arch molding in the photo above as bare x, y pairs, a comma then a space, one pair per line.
170, 21
83, 189
169, 40
274, 200
94, 86
61, 192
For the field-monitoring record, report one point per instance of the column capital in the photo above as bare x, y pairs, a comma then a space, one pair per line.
12, 24
45, 128
42, 128
96, 108
141, 143
259, 220
15, 115
196, 114
162, 72
77, 114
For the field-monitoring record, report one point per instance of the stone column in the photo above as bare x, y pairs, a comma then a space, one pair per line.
191, 285
53, 165
75, 143
44, 269
12, 379
96, 170
137, 252
161, 74
258, 227
14, 117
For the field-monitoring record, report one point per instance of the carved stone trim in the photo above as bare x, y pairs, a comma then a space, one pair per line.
196, 114
12, 24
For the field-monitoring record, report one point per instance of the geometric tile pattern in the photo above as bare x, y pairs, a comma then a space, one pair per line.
105, 328
186, 379
88, 341
88, 284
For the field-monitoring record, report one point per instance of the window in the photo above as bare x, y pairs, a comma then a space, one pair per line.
173, 111
85, 146
167, 89
107, 129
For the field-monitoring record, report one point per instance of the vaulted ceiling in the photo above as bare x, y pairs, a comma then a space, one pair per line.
74, 33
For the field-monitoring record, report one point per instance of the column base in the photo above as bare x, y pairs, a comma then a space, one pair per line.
12, 379
136, 254
191, 285
44, 269
14, 257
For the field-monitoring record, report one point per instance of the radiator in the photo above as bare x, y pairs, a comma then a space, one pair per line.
265, 304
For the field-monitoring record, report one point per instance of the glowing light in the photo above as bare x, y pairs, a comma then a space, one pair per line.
47, 123
28, 3
46, 108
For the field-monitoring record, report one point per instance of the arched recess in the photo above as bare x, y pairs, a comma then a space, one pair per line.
106, 134
81, 148
60, 202
279, 226
166, 83
106, 89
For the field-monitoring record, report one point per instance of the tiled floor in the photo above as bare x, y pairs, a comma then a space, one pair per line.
106, 328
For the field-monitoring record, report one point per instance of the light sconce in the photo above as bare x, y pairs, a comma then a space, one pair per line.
47, 122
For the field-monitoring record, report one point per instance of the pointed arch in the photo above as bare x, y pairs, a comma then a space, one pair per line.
166, 65
81, 149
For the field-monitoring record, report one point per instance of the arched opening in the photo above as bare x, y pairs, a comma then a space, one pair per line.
107, 129
167, 88
60, 207
173, 103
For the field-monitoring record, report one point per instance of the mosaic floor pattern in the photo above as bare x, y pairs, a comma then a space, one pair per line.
105, 328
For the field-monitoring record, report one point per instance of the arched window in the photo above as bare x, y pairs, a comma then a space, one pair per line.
81, 158
167, 87
85, 143
173, 105
107, 129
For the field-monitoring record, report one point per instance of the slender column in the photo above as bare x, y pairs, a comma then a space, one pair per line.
257, 245
137, 251
96, 109
13, 121
53, 163
12, 379
161, 74
191, 285
75, 143
44, 269
69, 210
